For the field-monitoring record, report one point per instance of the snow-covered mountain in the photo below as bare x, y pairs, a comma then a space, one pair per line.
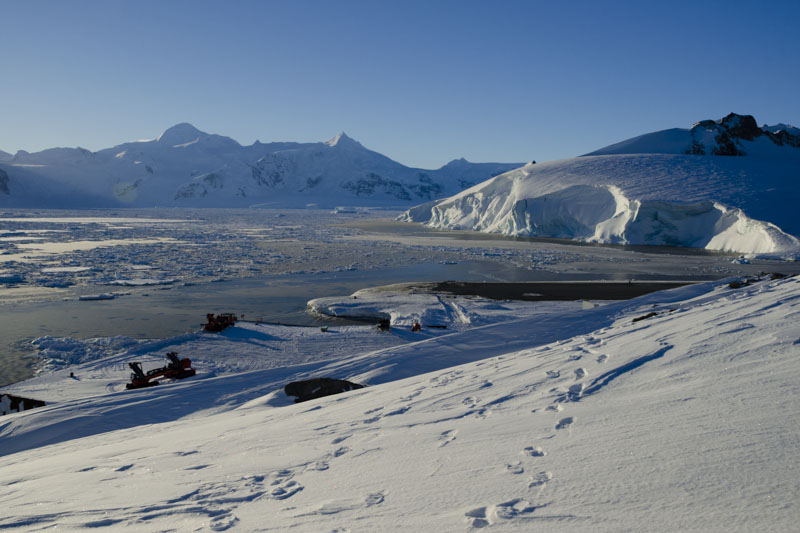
721, 185
187, 167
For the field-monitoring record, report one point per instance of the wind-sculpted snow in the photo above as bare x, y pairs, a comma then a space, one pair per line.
618, 418
659, 199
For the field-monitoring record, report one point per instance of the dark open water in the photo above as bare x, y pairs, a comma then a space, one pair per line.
176, 310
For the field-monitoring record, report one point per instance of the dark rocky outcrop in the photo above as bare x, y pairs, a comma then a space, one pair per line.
16, 404
310, 389
730, 130
741, 126
4, 182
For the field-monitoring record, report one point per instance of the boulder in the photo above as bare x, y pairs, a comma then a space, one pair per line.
318, 387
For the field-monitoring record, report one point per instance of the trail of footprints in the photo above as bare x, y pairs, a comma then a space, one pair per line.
219, 500
481, 517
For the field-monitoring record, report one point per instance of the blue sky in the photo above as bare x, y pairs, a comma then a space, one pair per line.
422, 82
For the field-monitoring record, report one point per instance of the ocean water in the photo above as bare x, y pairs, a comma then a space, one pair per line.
158, 312
168, 268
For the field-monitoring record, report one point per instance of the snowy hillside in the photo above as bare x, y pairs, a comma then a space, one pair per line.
187, 167
725, 185
675, 411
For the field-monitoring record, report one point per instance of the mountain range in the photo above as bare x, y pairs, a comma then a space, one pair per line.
725, 184
187, 167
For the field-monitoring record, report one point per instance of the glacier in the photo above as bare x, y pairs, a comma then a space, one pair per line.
666, 188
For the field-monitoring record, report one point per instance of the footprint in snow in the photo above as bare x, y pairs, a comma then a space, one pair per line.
513, 509
515, 468
398, 411
592, 340
374, 498
580, 373
602, 358
557, 408
319, 466
341, 451
553, 374
218, 501
481, 517
469, 401
478, 517
575, 392
412, 395
332, 507
285, 490
447, 437
564, 423
534, 451
539, 480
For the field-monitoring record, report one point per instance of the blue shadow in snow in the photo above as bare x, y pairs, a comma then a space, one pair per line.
604, 379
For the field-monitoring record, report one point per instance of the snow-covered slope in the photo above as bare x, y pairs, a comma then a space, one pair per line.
725, 185
586, 420
187, 167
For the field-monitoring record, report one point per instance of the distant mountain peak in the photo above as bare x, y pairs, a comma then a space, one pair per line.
180, 134
341, 139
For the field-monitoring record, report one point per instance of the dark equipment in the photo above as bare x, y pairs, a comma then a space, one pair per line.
219, 322
176, 369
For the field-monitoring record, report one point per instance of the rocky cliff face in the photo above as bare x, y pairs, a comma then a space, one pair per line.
724, 136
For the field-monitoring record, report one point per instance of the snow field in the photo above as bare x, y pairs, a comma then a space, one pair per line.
686, 420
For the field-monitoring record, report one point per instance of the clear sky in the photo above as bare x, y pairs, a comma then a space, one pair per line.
422, 82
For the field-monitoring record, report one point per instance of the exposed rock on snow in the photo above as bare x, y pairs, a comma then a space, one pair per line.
16, 404
310, 389
732, 135
647, 191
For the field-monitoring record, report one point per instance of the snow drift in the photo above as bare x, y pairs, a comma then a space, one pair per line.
671, 195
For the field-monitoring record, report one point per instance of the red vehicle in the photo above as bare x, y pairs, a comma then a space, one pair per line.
176, 369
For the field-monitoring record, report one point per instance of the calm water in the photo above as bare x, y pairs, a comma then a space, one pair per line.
164, 313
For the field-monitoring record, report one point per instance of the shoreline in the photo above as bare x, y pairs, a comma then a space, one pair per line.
538, 291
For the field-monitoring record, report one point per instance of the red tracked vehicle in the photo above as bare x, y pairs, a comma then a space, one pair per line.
176, 369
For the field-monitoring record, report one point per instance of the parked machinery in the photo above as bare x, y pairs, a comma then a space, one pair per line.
176, 369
